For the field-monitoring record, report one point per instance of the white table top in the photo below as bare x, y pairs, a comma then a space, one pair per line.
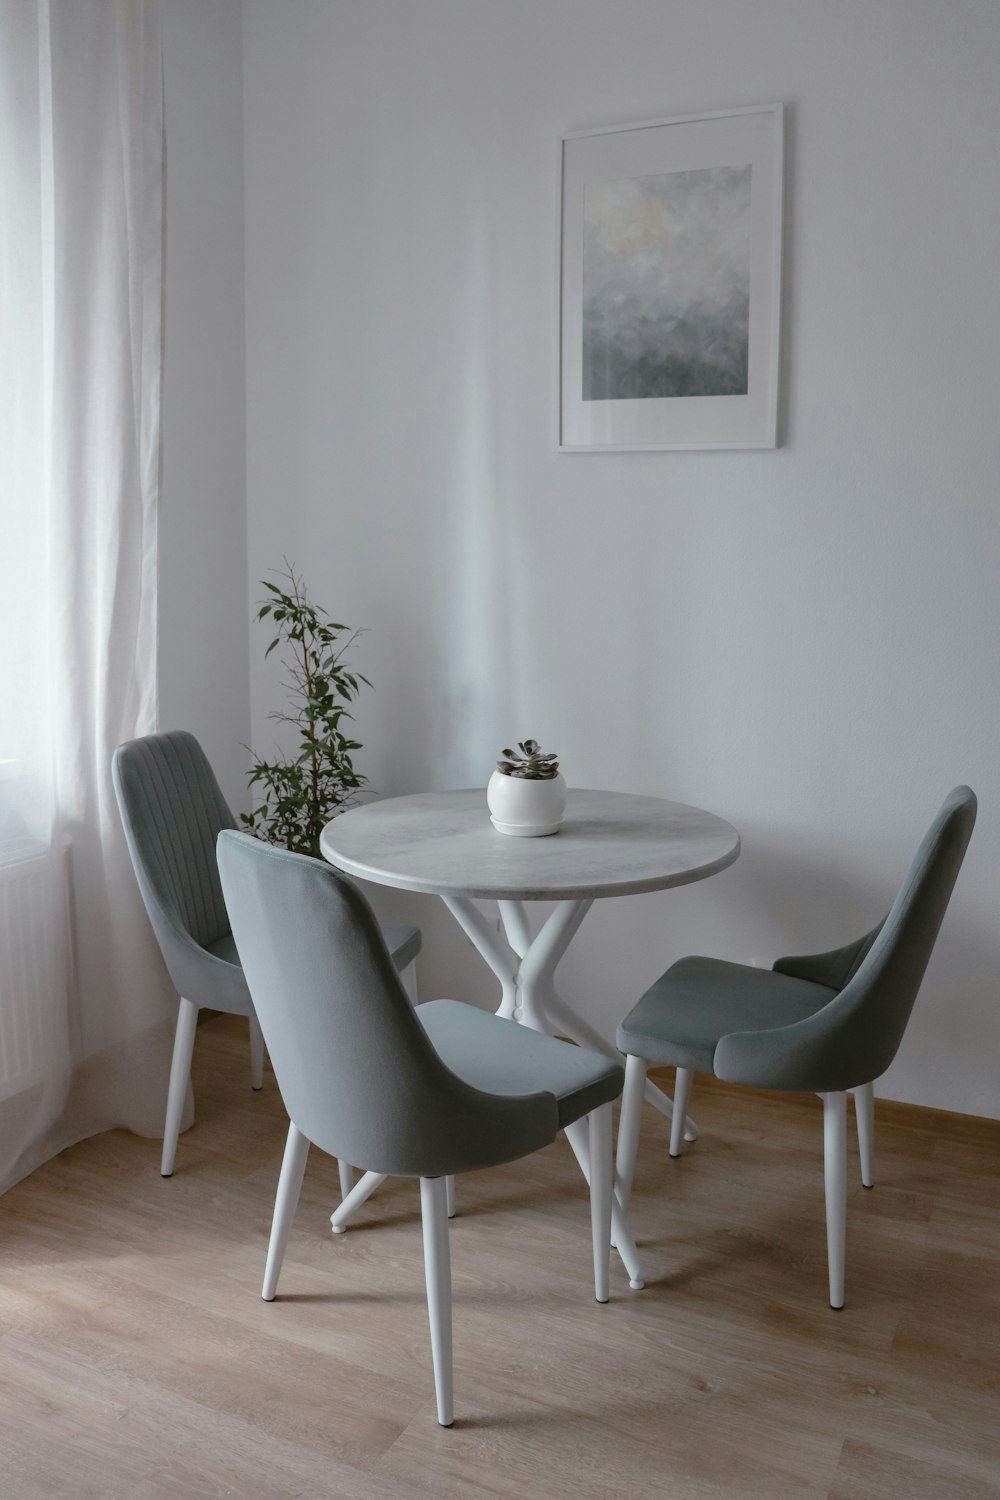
610, 844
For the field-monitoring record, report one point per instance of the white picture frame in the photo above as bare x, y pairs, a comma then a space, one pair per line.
670, 283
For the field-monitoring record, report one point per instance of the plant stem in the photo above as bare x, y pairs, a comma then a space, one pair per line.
310, 714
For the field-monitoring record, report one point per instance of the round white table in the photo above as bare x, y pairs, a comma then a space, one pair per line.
610, 844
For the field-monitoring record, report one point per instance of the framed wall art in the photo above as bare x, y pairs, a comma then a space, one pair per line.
670, 283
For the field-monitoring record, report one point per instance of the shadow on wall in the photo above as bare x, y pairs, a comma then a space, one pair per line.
471, 601
790, 903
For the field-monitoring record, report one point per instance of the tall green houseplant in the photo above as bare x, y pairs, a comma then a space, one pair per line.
302, 791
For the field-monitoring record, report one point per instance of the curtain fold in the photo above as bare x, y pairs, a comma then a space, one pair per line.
85, 1006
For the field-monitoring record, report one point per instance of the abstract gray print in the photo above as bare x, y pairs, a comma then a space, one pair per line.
666, 285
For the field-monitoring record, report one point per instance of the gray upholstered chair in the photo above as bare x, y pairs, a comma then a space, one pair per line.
425, 1093
173, 810
828, 1023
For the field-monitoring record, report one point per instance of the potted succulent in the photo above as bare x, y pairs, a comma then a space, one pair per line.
526, 794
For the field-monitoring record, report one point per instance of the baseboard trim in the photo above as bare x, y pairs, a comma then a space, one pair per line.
919, 1116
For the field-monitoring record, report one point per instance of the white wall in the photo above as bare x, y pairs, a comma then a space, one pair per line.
203, 645
804, 641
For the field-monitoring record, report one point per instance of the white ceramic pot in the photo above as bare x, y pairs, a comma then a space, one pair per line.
526, 809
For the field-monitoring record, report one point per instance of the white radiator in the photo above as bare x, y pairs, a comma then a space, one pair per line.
32, 968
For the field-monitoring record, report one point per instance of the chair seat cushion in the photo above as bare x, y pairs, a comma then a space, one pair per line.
681, 1019
503, 1057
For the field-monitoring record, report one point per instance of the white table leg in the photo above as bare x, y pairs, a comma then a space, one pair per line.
486, 940
529, 996
537, 1002
535, 991
516, 926
526, 978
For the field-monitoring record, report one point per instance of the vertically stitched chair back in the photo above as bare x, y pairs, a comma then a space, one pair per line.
173, 810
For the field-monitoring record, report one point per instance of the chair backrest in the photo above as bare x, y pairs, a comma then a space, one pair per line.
173, 811
357, 1072
855, 1037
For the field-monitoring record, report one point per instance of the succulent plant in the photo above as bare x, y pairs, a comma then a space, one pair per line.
529, 762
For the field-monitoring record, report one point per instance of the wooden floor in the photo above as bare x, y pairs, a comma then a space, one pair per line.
137, 1360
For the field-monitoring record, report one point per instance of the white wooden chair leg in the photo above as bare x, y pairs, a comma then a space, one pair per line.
663, 1102
286, 1200
180, 1073
256, 1054
682, 1092
346, 1178
360, 1193
835, 1176
621, 1238
449, 1187
437, 1271
409, 978
578, 1136
629, 1125
864, 1111
601, 1174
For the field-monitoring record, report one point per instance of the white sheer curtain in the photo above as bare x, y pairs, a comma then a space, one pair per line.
85, 1008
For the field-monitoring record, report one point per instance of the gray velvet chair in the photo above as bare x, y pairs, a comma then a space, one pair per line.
828, 1023
173, 810
424, 1093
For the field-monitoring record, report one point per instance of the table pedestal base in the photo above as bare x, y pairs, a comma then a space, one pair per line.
528, 988
529, 996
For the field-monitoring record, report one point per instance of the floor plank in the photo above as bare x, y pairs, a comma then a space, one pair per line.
137, 1361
